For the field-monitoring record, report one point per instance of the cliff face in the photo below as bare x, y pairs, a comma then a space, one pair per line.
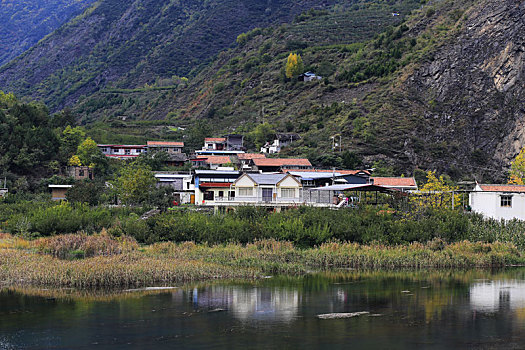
471, 95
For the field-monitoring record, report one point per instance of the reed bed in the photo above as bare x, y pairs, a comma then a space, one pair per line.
118, 262
272, 256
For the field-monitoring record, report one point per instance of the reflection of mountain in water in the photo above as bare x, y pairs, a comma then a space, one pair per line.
249, 303
496, 295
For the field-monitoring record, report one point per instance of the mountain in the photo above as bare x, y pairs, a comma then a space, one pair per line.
441, 90
438, 87
133, 43
23, 23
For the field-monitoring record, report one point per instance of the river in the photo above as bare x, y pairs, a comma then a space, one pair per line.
435, 309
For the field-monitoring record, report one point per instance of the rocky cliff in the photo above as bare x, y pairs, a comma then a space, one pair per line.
471, 94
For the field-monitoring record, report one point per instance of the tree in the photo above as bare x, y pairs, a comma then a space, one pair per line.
134, 184
153, 160
70, 140
87, 191
517, 169
436, 193
74, 161
294, 65
262, 133
90, 155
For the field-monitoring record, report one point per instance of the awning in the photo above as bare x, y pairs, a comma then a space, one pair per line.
215, 184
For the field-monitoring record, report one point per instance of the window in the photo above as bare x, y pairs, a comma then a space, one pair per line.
127, 152
81, 173
245, 191
221, 194
288, 192
209, 195
506, 201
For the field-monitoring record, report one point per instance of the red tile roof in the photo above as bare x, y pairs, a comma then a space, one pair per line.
503, 188
282, 162
395, 181
215, 139
165, 143
218, 160
247, 156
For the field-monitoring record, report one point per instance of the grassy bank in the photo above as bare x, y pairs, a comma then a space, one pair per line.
102, 261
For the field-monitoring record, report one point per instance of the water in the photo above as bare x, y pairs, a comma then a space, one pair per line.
408, 310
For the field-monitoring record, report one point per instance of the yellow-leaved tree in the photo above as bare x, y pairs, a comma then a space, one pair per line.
294, 65
437, 194
74, 161
517, 169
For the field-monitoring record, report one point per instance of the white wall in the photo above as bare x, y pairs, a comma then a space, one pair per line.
489, 204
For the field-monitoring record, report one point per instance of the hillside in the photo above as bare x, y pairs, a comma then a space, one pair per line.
440, 91
128, 45
23, 23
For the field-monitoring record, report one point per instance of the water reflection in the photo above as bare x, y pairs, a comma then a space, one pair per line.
413, 309
249, 303
491, 296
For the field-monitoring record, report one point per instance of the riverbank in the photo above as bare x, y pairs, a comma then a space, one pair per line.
102, 261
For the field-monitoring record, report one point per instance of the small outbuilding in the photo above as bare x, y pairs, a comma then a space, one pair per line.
58, 192
499, 201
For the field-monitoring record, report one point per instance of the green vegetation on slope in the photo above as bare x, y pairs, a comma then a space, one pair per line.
129, 45
24, 22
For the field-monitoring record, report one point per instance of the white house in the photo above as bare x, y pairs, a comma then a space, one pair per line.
280, 141
267, 188
182, 185
499, 201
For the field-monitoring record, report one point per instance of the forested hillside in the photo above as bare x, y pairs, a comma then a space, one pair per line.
130, 44
440, 90
24, 22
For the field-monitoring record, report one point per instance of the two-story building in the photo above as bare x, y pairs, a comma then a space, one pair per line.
243, 160
212, 186
122, 151
281, 140
182, 185
165, 146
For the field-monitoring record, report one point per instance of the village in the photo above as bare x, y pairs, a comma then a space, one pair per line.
224, 176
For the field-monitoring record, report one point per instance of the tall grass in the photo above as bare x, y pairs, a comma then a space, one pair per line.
118, 262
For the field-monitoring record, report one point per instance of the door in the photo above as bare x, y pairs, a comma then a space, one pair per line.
267, 194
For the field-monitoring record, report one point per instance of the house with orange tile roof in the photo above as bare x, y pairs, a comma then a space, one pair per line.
499, 202
404, 184
214, 144
279, 164
165, 146
243, 160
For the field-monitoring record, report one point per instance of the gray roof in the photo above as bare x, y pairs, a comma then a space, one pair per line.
267, 179
177, 157
348, 187
309, 175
